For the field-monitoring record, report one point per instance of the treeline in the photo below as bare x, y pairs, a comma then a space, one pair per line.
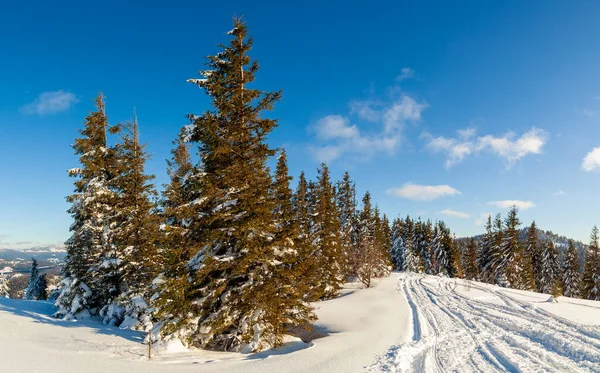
500, 257
425, 247
228, 256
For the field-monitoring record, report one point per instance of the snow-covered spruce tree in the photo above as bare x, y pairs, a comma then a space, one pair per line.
423, 234
484, 253
32, 284
171, 303
470, 267
590, 282
533, 252
513, 263
413, 262
136, 234
549, 268
449, 253
571, 273
236, 269
40, 288
301, 214
89, 279
438, 258
386, 239
288, 284
397, 249
4, 286
497, 258
367, 252
325, 237
346, 206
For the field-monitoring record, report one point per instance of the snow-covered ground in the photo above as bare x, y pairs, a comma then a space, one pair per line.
406, 323
461, 326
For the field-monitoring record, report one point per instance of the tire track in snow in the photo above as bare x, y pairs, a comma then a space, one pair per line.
455, 333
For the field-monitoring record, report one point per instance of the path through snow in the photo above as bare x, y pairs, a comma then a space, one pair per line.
462, 327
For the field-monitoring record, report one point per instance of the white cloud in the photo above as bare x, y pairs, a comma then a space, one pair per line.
521, 205
405, 73
506, 147
588, 113
343, 137
423, 192
483, 218
457, 214
335, 126
591, 160
50, 103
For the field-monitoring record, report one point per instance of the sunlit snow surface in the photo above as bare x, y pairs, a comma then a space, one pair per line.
405, 323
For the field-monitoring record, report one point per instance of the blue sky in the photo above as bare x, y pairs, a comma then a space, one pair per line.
443, 110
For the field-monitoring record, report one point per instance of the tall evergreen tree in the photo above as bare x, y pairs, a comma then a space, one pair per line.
571, 272
32, 284
325, 238
135, 254
397, 251
470, 267
87, 285
234, 273
413, 261
591, 274
422, 241
485, 253
533, 252
346, 205
549, 268
171, 300
512, 261
4, 286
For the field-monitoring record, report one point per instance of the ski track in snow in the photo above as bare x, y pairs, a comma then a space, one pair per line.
453, 332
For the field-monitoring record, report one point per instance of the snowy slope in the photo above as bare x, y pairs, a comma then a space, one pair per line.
406, 323
471, 327
360, 324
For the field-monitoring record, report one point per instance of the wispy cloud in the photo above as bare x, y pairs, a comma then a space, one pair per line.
423, 192
560, 192
50, 103
521, 205
405, 73
508, 147
457, 214
592, 160
340, 136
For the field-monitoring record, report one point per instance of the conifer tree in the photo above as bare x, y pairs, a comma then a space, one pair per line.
549, 268
171, 300
533, 252
346, 205
571, 273
512, 257
88, 268
4, 286
234, 273
422, 241
397, 251
485, 254
591, 275
136, 238
325, 237
32, 284
470, 267
413, 262
40, 288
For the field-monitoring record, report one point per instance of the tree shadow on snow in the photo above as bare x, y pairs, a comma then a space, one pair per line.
41, 312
